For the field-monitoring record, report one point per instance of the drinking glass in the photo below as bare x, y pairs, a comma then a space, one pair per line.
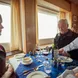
38, 53
45, 53
47, 69
38, 56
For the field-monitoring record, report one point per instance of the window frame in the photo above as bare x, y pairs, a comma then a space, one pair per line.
48, 40
6, 45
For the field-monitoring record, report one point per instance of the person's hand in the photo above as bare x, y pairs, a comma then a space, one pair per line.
8, 72
62, 52
10, 68
76, 75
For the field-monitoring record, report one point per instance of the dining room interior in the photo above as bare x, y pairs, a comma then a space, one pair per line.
30, 27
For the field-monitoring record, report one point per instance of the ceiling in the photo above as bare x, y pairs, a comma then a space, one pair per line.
73, 1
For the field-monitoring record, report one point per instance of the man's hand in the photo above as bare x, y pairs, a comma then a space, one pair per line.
62, 52
76, 75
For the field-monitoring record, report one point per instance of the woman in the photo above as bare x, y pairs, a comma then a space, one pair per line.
5, 72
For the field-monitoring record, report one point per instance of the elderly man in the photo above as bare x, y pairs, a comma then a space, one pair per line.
65, 36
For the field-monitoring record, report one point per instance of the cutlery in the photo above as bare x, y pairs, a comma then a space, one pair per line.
35, 69
39, 66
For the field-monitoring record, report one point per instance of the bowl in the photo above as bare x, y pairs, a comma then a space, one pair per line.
27, 59
45, 52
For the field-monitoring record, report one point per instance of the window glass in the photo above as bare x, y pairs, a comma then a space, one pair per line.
47, 25
5, 11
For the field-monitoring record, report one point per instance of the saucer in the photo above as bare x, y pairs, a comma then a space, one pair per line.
20, 55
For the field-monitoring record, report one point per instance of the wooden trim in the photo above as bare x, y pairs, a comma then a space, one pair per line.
46, 41
47, 9
5, 2
60, 3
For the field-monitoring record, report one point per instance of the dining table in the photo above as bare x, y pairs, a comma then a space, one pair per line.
19, 68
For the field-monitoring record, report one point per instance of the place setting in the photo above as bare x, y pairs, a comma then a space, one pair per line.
34, 72
65, 59
19, 56
38, 74
31, 67
27, 60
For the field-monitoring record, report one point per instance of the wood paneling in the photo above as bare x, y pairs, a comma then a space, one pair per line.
74, 9
60, 3
69, 5
29, 20
73, 1
30, 24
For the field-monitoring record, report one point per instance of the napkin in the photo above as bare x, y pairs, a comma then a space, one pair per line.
70, 76
67, 74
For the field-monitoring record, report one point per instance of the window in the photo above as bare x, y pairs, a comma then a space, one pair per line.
5, 11
47, 24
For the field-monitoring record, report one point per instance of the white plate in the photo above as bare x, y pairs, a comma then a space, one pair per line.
18, 56
37, 74
24, 63
65, 59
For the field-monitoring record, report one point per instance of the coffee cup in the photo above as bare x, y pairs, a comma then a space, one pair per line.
27, 59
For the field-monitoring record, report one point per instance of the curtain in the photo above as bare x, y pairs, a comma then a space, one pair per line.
23, 23
16, 33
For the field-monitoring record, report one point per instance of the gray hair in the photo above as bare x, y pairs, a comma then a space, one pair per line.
63, 20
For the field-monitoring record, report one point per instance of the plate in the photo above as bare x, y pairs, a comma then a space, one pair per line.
37, 74
65, 59
68, 74
18, 56
24, 63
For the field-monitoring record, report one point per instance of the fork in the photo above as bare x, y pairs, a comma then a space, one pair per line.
35, 69
27, 72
